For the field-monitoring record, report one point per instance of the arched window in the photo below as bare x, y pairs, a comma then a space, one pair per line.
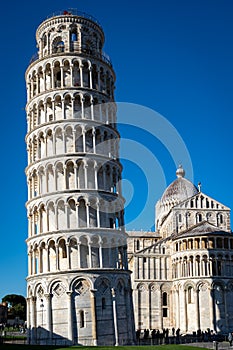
81, 319
82, 213
199, 218
111, 223
190, 295
164, 304
74, 36
164, 311
44, 40
205, 265
220, 219
58, 45
198, 271
164, 299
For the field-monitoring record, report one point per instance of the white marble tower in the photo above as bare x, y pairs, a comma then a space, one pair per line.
79, 289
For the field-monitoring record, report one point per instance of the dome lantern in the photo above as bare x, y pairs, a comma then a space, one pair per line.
180, 172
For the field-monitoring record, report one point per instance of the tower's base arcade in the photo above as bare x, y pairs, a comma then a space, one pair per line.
91, 308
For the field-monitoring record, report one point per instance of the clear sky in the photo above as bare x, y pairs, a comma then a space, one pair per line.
172, 56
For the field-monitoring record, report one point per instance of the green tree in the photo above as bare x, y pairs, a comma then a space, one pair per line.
16, 305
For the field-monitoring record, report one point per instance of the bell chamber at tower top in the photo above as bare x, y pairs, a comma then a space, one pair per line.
71, 32
70, 55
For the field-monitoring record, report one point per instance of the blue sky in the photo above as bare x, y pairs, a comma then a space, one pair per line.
172, 56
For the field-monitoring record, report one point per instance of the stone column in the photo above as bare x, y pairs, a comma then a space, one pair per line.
98, 214
185, 311
56, 216
64, 140
81, 75
44, 79
92, 109
115, 317
63, 108
211, 306
85, 175
74, 134
149, 309
93, 137
33, 320
66, 215
160, 309
84, 140
89, 253
90, 75
62, 76
65, 176
52, 79
33, 185
68, 255
70, 318
76, 170
88, 214
177, 308
82, 107
30, 225
101, 254
79, 254
29, 263
57, 257
77, 214
34, 262
37, 84
160, 270
46, 143
48, 315
94, 318
71, 75
197, 309
48, 260
40, 264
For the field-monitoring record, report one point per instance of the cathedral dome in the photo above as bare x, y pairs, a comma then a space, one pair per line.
180, 189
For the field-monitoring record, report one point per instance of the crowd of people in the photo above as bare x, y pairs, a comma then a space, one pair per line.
173, 335
157, 336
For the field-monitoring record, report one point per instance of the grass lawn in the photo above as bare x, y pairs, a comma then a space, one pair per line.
38, 347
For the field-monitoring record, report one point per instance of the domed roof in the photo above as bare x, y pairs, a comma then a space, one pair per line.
180, 189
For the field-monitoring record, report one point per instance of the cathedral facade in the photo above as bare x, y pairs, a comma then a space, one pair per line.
183, 273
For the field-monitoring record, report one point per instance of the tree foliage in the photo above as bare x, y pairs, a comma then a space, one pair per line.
16, 305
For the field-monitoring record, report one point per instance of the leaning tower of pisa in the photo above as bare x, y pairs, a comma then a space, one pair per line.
78, 284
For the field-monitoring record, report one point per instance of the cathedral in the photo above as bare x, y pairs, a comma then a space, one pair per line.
182, 274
